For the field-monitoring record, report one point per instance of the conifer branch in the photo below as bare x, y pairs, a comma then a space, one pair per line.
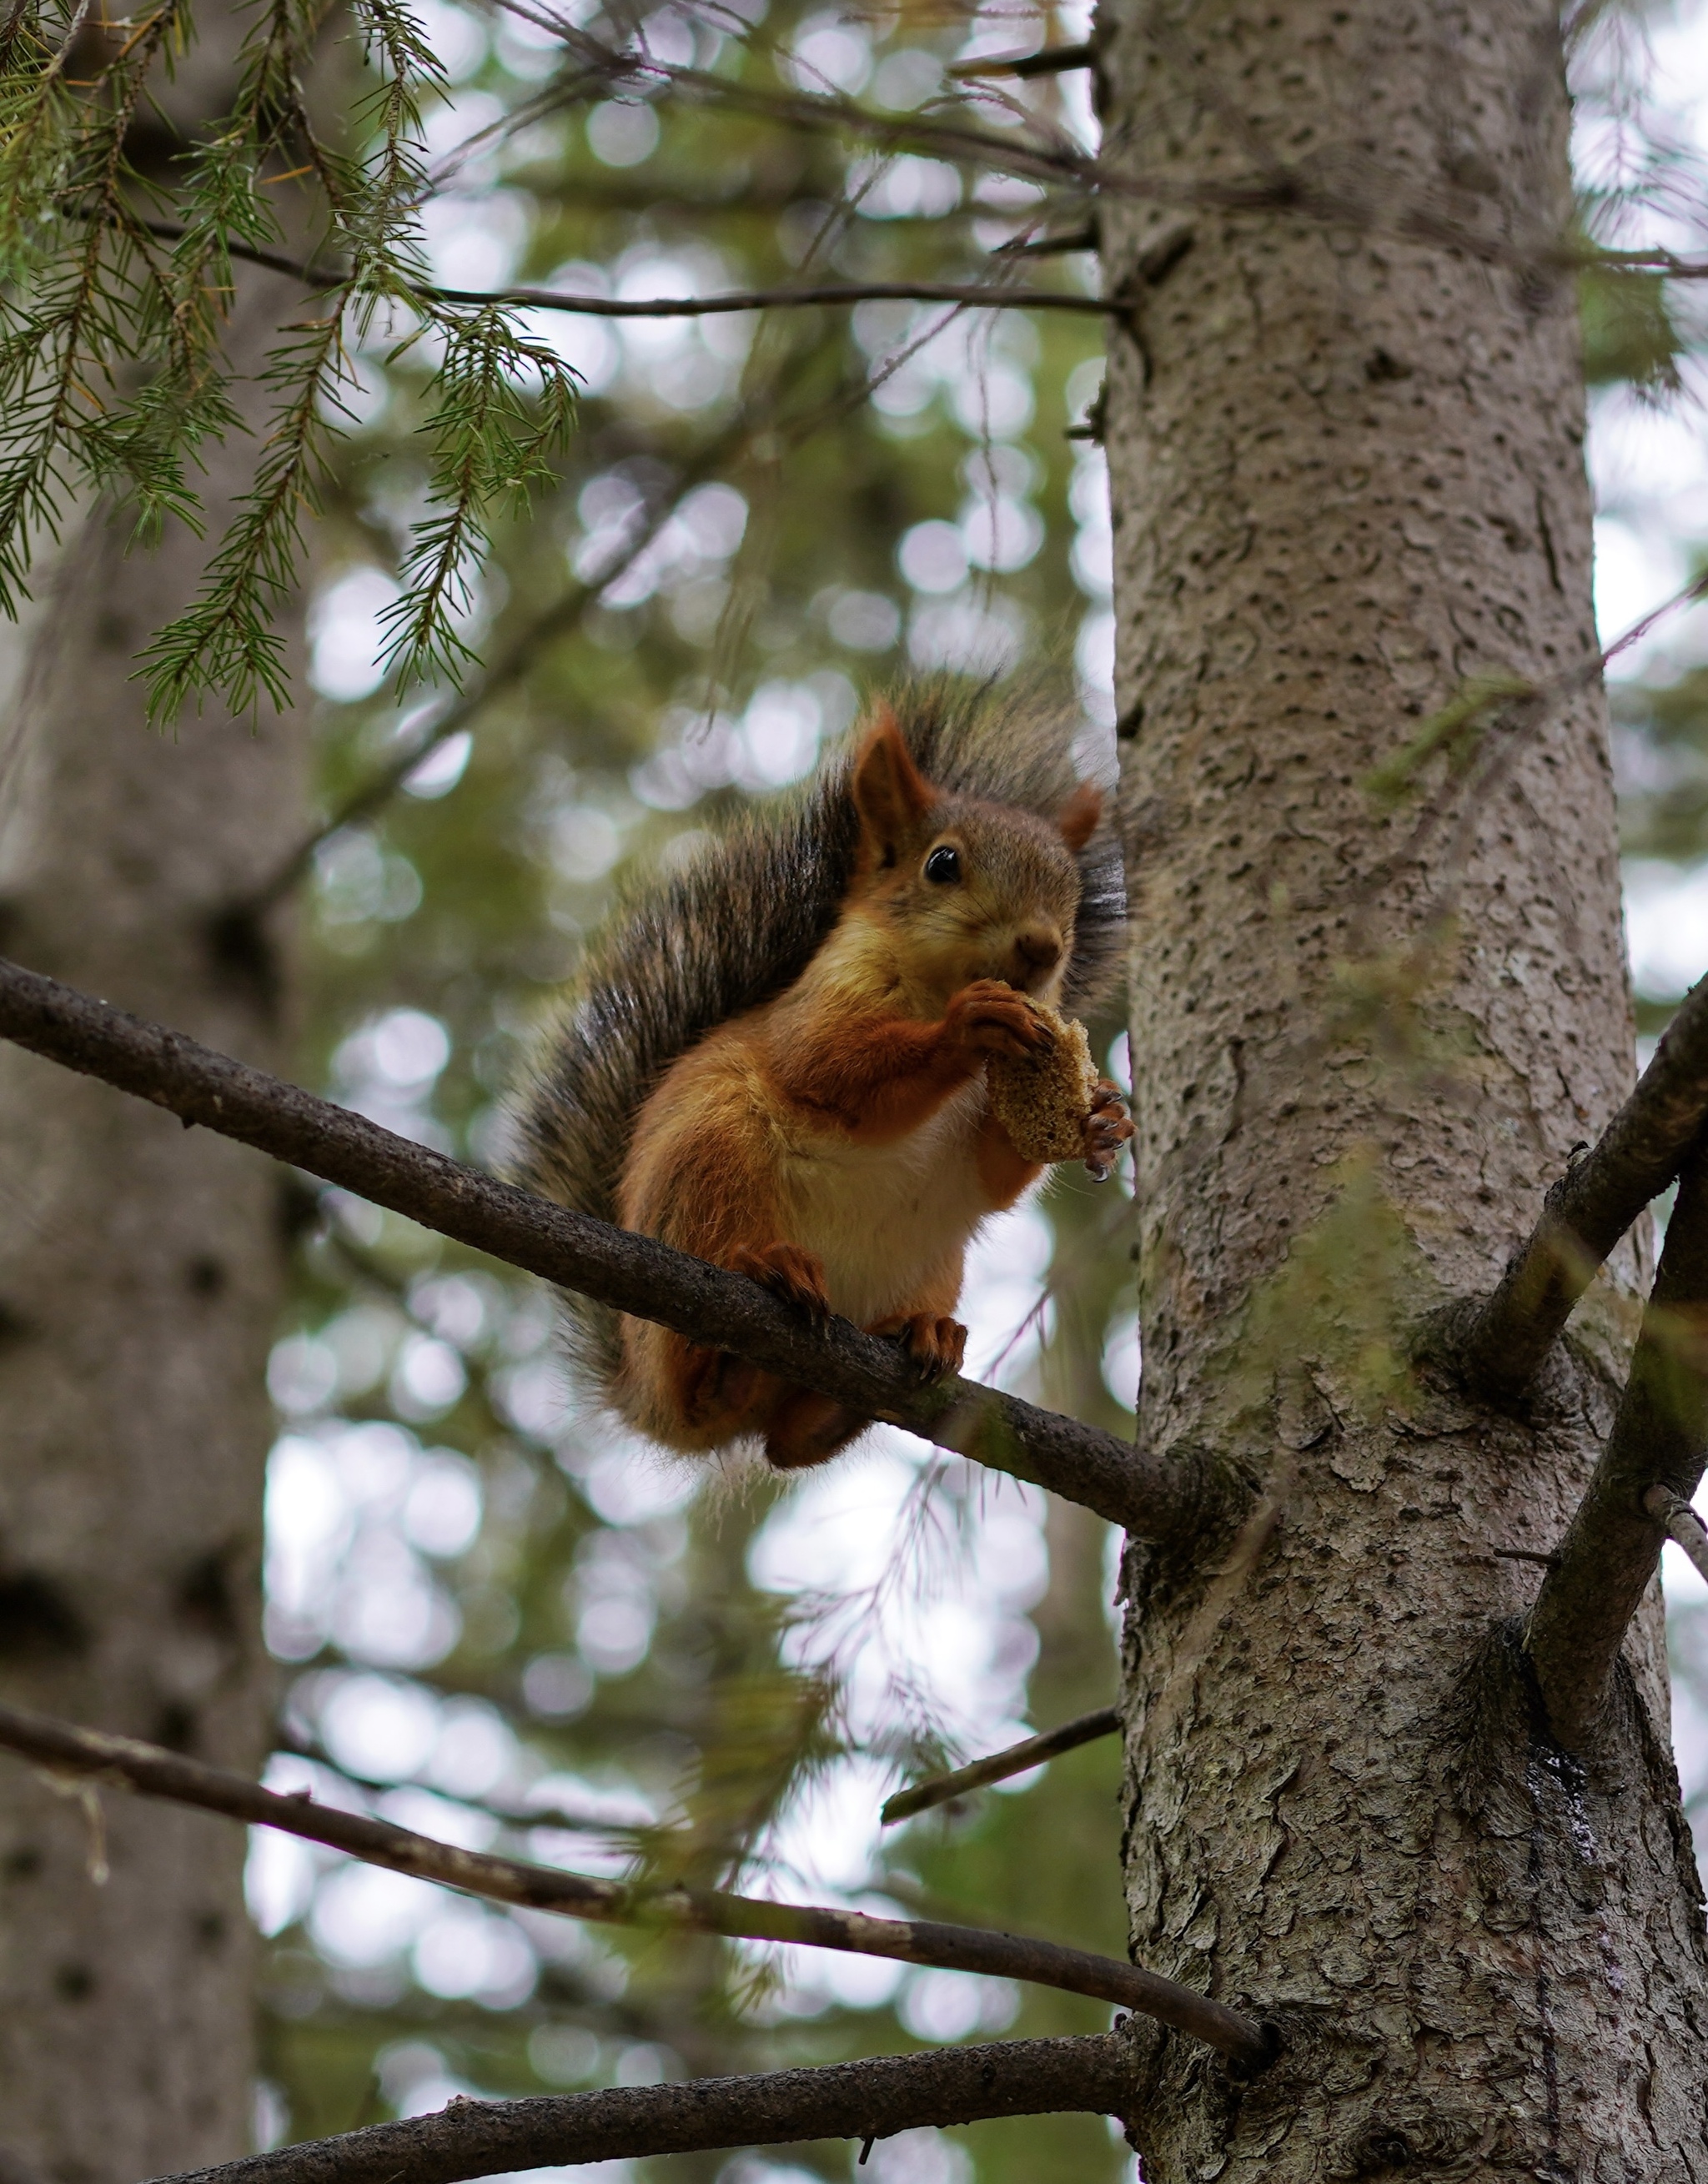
1659, 1441
151, 1771
865, 2101
1590, 1208
1152, 1496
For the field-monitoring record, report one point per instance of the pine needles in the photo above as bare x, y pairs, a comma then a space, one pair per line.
113, 381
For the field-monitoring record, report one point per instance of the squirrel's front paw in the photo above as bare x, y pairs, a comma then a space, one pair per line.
936, 1344
788, 1271
1108, 1129
995, 1019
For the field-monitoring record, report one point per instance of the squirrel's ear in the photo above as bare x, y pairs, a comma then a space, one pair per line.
1077, 820
890, 793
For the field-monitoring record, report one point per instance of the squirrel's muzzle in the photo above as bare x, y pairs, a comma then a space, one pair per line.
1037, 950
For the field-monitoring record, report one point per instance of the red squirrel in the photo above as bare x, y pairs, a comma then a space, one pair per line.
817, 1119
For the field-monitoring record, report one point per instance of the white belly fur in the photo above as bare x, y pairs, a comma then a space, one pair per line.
885, 1219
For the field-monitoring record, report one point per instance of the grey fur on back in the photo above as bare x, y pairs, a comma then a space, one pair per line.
682, 954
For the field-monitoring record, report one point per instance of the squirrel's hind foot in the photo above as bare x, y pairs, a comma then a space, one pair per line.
936, 1344
788, 1271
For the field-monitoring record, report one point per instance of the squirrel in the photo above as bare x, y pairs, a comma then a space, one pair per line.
775, 1059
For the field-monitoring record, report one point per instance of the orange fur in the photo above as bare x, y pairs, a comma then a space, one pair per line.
834, 1144
1006, 1175
1078, 817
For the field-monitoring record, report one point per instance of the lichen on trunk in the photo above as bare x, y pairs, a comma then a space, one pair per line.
1374, 1018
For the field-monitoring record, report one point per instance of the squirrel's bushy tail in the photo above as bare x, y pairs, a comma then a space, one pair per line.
683, 953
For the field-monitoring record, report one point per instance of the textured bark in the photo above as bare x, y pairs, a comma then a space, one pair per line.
1347, 474
141, 1272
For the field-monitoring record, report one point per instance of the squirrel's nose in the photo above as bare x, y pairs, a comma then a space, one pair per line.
1039, 947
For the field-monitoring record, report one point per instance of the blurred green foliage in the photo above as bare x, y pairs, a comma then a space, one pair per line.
484, 1602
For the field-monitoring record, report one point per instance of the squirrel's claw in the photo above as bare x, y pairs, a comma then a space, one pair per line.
995, 1019
936, 1344
788, 1271
1108, 1129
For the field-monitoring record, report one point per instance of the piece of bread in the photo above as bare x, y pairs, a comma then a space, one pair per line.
1042, 1099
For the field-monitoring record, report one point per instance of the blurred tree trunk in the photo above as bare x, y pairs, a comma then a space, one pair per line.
1347, 476
142, 1271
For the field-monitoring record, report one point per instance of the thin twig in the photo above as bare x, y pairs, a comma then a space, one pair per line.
519, 1818
511, 665
982, 295
1031, 1751
519, 656
867, 2100
1684, 1528
1152, 1496
151, 1771
1591, 1207
1660, 1439
1363, 198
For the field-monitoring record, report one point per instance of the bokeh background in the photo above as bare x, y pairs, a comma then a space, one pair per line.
495, 1620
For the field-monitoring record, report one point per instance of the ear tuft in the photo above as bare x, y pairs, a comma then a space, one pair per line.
1077, 820
890, 793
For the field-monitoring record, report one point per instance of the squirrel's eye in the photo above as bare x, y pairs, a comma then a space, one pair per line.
943, 864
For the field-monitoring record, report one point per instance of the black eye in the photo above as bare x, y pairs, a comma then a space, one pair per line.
943, 864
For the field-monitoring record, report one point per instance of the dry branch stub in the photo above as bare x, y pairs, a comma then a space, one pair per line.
978, 1774
1591, 1206
1152, 1497
867, 2100
151, 1771
1659, 1442
1683, 1527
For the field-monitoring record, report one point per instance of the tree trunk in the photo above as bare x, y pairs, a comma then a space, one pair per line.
1347, 472
141, 1272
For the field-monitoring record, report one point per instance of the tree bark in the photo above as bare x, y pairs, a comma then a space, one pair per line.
1347, 476
142, 1277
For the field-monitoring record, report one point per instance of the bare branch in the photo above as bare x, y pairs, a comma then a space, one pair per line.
1660, 1439
521, 1818
1683, 1527
977, 295
153, 1772
1591, 1207
1151, 1495
1363, 196
1031, 1751
865, 2100
519, 656
980, 295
